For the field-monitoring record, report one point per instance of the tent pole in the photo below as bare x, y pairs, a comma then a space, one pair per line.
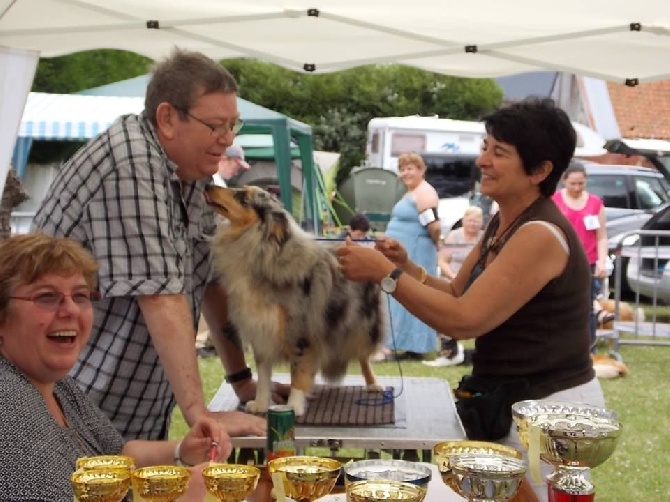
307, 160
282, 147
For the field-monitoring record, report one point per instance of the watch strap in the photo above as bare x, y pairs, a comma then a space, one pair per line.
396, 273
244, 374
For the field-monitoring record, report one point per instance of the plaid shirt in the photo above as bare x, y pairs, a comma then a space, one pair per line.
120, 197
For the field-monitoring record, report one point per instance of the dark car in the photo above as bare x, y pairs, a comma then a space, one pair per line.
632, 195
647, 258
627, 190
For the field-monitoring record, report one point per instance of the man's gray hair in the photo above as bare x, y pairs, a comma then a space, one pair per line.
181, 78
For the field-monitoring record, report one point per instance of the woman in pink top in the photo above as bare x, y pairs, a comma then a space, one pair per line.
586, 213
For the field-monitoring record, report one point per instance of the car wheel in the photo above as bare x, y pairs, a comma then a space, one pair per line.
625, 287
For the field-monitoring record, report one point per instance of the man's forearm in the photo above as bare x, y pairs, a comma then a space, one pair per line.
170, 324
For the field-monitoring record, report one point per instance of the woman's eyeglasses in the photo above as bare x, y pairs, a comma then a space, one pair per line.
52, 300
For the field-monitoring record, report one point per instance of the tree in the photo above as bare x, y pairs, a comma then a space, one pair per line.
83, 70
340, 105
337, 105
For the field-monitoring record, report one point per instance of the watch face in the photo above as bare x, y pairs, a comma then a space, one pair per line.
388, 284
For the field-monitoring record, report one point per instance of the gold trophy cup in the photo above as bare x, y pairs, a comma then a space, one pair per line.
305, 478
369, 490
485, 477
106, 461
161, 483
444, 453
573, 437
230, 482
100, 485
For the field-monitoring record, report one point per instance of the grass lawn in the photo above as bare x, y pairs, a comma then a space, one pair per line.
639, 468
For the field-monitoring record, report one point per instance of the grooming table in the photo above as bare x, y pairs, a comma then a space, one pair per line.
424, 415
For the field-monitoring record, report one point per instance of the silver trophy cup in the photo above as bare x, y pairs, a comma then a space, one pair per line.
573, 437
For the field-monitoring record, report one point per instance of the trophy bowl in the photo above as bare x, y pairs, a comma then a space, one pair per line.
388, 470
100, 485
161, 483
106, 461
383, 491
444, 453
305, 478
230, 482
571, 434
486, 477
574, 437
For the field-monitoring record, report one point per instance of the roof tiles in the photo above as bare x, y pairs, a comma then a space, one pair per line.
642, 111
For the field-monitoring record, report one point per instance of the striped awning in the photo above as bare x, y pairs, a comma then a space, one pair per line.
73, 116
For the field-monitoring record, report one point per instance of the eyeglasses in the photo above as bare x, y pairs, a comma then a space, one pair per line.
52, 300
220, 129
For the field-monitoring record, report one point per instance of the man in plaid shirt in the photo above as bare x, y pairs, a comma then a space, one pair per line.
133, 196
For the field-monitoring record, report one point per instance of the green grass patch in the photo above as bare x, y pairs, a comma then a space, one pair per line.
638, 469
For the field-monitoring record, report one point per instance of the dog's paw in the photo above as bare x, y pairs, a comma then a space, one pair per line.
256, 407
297, 401
375, 387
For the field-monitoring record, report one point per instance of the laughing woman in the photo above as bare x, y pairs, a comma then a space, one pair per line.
523, 291
46, 289
414, 223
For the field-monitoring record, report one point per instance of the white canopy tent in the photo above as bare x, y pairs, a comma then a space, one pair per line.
616, 40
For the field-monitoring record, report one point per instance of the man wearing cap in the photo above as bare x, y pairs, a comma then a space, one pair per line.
230, 164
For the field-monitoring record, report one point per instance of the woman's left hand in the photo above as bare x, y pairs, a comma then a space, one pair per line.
600, 270
206, 436
360, 263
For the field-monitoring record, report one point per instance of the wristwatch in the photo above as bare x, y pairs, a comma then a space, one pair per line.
390, 282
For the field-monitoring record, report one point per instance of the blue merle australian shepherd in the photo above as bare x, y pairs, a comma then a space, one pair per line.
287, 297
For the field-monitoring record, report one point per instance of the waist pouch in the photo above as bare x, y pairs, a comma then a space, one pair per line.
484, 405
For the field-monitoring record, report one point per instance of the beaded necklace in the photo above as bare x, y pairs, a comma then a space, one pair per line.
495, 243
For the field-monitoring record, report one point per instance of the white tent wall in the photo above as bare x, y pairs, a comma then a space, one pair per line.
17, 69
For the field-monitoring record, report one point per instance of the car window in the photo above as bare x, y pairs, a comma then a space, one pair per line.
451, 175
662, 188
611, 188
649, 192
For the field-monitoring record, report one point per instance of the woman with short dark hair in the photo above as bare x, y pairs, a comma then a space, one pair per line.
523, 291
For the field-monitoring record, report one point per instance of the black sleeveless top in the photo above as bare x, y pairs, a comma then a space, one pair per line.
547, 340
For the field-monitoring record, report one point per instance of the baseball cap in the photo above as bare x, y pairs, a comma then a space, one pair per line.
235, 151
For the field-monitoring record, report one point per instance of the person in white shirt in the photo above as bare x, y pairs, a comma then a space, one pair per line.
232, 161
230, 164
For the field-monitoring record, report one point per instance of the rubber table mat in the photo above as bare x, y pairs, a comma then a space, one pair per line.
348, 406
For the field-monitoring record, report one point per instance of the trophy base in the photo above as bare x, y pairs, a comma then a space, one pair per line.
561, 496
570, 484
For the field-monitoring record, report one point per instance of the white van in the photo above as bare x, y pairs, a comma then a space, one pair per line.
388, 137
449, 149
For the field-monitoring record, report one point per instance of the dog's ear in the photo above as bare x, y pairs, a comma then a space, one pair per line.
278, 227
